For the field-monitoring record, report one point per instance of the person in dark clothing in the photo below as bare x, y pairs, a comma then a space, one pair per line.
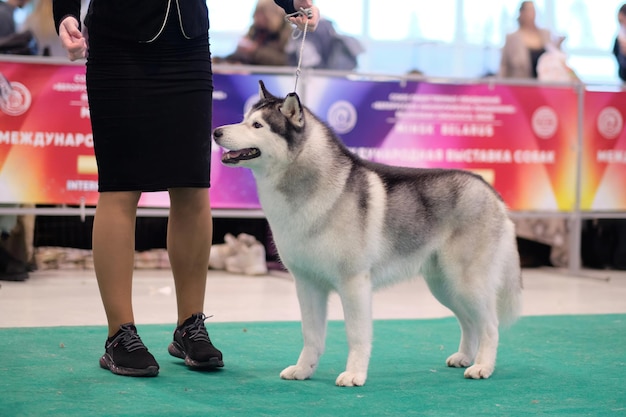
7, 20
149, 85
266, 39
325, 49
619, 46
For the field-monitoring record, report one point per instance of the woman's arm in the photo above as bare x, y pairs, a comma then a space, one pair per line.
64, 8
287, 5
67, 22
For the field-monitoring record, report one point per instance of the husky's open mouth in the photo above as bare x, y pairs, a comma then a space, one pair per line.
232, 157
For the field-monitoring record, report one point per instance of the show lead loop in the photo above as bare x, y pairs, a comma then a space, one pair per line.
296, 33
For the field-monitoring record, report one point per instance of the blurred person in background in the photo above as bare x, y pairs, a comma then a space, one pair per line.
14, 40
266, 40
541, 241
619, 46
523, 48
324, 49
17, 251
7, 19
15, 230
41, 24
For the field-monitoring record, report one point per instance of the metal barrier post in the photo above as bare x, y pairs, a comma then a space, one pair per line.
575, 221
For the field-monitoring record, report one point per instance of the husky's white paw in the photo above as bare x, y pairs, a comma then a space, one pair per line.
458, 360
478, 371
351, 379
296, 372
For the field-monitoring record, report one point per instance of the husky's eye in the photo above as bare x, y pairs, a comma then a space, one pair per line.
257, 125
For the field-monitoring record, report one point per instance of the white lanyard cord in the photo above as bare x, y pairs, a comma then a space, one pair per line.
308, 13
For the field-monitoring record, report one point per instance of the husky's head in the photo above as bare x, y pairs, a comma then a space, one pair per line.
269, 134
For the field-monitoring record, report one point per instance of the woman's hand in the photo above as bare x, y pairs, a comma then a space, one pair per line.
300, 20
72, 39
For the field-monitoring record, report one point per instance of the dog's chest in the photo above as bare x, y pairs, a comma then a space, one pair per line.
323, 255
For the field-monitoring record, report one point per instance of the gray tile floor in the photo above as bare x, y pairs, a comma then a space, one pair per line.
70, 297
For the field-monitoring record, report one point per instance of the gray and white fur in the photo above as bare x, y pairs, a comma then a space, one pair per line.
344, 224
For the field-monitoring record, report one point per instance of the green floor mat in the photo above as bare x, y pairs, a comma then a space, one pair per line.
555, 365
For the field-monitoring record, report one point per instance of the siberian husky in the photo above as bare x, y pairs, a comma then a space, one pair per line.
344, 224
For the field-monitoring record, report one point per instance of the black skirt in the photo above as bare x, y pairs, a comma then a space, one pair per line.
151, 106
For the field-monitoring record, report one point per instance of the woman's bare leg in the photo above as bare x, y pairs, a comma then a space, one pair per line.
189, 236
113, 254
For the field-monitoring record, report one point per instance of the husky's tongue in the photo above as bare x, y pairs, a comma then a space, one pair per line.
232, 157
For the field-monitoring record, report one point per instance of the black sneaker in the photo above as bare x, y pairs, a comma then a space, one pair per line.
11, 269
13, 276
192, 343
125, 354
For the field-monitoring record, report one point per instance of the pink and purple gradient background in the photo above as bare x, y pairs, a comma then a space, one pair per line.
39, 174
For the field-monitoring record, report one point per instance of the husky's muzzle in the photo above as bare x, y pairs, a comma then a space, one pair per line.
231, 156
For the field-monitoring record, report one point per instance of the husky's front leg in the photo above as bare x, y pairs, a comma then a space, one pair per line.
356, 298
313, 301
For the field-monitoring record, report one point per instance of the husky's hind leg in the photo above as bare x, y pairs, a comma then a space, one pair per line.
472, 298
440, 288
496, 299
476, 313
313, 301
480, 310
467, 347
485, 362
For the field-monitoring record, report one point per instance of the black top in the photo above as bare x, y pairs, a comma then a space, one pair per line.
534, 59
141, 20
621, 61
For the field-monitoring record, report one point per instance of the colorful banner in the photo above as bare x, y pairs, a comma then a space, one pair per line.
522, 139
46, 145
603, 170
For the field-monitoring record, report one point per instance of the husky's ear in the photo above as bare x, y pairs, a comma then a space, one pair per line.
292, 110
263, 93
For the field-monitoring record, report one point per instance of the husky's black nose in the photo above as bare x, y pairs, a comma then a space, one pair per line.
217, 133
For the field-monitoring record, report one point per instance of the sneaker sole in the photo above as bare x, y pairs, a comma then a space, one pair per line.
213, 363
106, 362
14, 277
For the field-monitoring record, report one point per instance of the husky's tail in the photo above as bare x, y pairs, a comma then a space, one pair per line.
510, 291
510, 302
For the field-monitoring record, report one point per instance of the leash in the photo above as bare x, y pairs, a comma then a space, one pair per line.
296, 33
